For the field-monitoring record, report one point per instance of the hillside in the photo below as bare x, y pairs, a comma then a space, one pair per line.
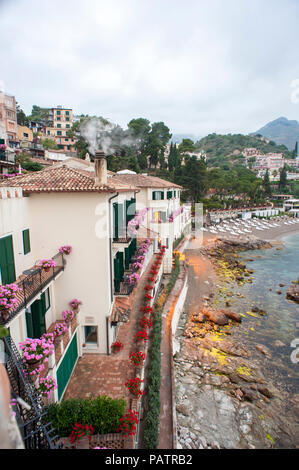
227, 149
282, 131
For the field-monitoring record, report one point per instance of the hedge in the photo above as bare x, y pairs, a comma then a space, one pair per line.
103, 413
151, 429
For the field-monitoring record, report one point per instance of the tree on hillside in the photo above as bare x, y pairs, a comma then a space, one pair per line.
267, 184
283, 178
187, 145
156, 141
22, 119
38, 114
295, 153
193, 178
172, 157
49, 144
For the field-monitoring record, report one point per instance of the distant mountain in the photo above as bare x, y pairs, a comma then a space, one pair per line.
282, 131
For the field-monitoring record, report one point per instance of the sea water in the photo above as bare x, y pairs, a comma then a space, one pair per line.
279, 329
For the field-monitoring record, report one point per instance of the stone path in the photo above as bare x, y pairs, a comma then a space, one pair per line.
166, 402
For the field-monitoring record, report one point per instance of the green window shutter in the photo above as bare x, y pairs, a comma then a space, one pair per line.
121, 221
163, 216
115, 231
127, 258
117, 274
162, 195
29, 325
26, 242
169, 194
7, 264
66, 367
120, 257
154, 195
38, 318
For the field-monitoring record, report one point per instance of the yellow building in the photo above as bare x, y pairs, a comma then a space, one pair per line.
25, 135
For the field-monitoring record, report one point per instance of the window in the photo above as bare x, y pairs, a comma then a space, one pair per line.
58, 125
48, 132
46, 299
169, 194
158, 195
67, 113
59, 133
66, 139
26, 241
91, 335
67, 119
58, 118
58, 112
67, 126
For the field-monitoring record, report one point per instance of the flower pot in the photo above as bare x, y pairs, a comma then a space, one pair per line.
34, 363
46, 269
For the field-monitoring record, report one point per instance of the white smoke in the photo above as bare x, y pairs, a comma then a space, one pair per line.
107, 136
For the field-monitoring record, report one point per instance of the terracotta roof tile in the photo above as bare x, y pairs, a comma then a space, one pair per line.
145, 181
63, 179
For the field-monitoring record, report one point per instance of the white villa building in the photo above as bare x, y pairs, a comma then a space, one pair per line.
81, 204
291, 206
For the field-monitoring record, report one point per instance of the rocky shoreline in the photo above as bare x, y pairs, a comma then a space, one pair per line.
224, 398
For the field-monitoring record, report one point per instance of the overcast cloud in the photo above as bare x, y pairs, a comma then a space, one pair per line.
200, 66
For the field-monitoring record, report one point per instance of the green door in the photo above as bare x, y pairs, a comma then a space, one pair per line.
36, 318
66, 367
7, 263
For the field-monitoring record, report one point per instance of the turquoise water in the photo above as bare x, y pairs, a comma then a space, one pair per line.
271, 268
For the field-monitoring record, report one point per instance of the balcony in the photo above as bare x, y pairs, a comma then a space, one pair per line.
123, 287
8, 158
30, 410
32, 282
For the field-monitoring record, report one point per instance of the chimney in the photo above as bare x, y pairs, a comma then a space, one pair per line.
100, 168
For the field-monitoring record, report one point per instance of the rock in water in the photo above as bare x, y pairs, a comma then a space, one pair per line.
293, 292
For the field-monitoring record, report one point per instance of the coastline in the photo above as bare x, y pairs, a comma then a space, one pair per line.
224, 397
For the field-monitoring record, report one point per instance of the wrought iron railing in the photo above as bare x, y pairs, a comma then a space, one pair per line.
123, 288
7, 157
30, 411
33, 282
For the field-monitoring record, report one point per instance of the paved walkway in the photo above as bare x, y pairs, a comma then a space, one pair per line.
99, 374
166, 438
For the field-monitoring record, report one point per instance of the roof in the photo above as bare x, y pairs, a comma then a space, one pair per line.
63, 179
145, 181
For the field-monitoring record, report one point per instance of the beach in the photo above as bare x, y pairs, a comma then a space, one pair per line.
227, 395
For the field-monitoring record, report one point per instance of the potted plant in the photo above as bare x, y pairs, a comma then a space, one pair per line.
68, 316
134, 386
137, 358
75, 304
8, 298
65, 249
128, 423
59, 329
81, 431
47, 264
116, 346
46, 386
36, 351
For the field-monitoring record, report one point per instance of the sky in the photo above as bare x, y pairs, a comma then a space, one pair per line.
201, 66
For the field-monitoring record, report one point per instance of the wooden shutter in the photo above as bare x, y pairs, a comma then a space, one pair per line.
127, 258
7, 264
120, 256
154, 195
66, 367
38, 317
115, 231
163, 216
26, 242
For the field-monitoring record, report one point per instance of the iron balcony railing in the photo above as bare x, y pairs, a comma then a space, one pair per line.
30, 411
7, 157
32, 283
123, 287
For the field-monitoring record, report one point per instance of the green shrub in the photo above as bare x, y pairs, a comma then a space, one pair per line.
151, 429
103, 413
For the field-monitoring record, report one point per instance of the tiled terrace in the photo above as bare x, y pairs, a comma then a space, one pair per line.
97, 374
